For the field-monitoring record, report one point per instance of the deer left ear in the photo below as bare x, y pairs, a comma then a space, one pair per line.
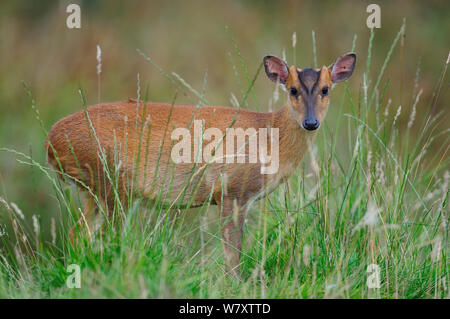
343, 67
276, 69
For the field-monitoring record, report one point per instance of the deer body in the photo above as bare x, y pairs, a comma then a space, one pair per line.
115, 126
137, 141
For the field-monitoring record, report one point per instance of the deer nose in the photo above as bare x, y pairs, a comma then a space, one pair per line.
311, 124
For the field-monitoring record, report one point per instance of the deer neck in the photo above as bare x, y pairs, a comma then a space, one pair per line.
294, 141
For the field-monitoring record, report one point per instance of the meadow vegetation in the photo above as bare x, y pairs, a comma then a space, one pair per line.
373, 189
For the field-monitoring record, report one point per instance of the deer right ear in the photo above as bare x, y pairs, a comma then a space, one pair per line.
276, 69
343, 67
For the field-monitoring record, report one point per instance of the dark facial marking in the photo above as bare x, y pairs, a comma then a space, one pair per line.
308, 79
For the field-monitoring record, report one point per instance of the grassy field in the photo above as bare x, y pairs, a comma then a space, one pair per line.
372, 190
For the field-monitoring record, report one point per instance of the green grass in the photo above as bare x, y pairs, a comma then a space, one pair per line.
383, 200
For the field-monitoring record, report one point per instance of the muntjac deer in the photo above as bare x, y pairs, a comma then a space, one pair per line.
142, 141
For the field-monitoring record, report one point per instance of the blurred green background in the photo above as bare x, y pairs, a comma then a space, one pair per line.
190, 38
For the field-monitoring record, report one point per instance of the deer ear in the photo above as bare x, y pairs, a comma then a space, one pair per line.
276, 69
343, 67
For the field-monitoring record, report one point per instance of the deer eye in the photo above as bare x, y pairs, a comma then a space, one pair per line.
325, 90
294, 91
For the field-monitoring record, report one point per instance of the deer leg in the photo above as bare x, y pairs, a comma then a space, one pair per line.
232, 233
83, 221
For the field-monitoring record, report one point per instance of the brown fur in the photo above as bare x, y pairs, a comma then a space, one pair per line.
138, 141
